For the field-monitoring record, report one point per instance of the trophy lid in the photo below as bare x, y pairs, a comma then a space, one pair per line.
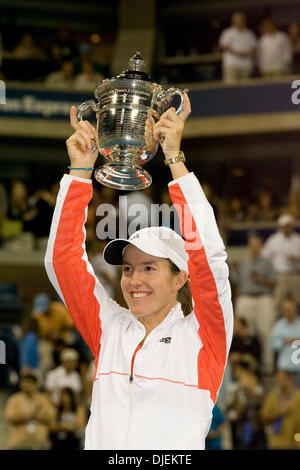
136, 66
137, 62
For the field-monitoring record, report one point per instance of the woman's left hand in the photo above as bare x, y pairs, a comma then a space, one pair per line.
168, 130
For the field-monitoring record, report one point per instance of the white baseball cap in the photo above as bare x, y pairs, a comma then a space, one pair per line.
69, 354
162, 242
285, 219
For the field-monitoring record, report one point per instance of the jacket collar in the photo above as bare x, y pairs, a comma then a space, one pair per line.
174, 314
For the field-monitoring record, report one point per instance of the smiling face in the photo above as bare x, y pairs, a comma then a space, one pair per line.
149, 287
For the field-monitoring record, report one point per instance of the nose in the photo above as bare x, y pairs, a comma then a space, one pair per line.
136, 279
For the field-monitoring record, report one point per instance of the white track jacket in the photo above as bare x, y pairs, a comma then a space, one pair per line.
160, 395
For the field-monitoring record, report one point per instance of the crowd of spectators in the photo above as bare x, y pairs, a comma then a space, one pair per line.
267, 48
64, 64
259, 400
49, 408
265, 284
273, 54
67, 63
26, 217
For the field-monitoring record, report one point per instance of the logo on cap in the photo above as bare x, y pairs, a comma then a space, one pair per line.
165, 340
137, 235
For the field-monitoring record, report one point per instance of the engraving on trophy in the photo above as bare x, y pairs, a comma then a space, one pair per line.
127, 108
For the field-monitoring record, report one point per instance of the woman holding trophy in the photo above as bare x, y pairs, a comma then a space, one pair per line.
159, 363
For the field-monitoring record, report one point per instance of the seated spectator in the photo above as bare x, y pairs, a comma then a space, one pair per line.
283, 251
30, 415
274, 52
27, 49
266, 211
28, 214
244, 343
39, 217
244, 402
29, 347
54, 322
280, 413
256, 280
62, 79
253, 213
292, 206
214, 437
53, 318
64, 375
238, 45
284, 333
13, 223
70, 420
235, 212
88, 79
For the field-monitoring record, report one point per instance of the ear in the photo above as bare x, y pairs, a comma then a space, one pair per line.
180, 279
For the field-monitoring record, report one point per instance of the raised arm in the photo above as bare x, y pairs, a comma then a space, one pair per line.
209, 273
66, 260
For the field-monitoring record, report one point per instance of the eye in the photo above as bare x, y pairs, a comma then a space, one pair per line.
149, 268
126, 269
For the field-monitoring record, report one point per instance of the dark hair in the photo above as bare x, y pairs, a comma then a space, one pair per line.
71, 394
287, 373
30, 325
184, 295
252, 234
243, 321
289, 298
30, 377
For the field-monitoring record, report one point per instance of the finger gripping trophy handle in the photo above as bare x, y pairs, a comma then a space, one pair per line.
82, 109
175, 91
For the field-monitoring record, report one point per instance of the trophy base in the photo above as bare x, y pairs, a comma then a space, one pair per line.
123, 177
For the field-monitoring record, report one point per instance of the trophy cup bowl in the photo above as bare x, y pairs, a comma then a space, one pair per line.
127, 108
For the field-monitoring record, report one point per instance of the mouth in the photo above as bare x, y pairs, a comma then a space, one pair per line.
139, 295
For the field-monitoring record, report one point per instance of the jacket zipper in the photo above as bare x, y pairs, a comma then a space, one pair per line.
132, 363
131, 393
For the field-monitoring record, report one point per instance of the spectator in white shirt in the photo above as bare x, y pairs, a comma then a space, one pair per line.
238, 45
283, 250
285, 333
274, 50
88, 79
62, 79
64, 375
255, 303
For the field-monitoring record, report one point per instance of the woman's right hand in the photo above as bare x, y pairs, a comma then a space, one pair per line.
80, 145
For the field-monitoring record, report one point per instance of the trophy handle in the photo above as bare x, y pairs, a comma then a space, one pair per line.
82, 109
172, 92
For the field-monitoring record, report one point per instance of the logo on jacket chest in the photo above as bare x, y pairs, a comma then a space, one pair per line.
166, 340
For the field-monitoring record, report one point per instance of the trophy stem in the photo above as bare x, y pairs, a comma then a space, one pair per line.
123, 176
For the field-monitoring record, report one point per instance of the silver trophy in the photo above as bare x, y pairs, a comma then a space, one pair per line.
127, 108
